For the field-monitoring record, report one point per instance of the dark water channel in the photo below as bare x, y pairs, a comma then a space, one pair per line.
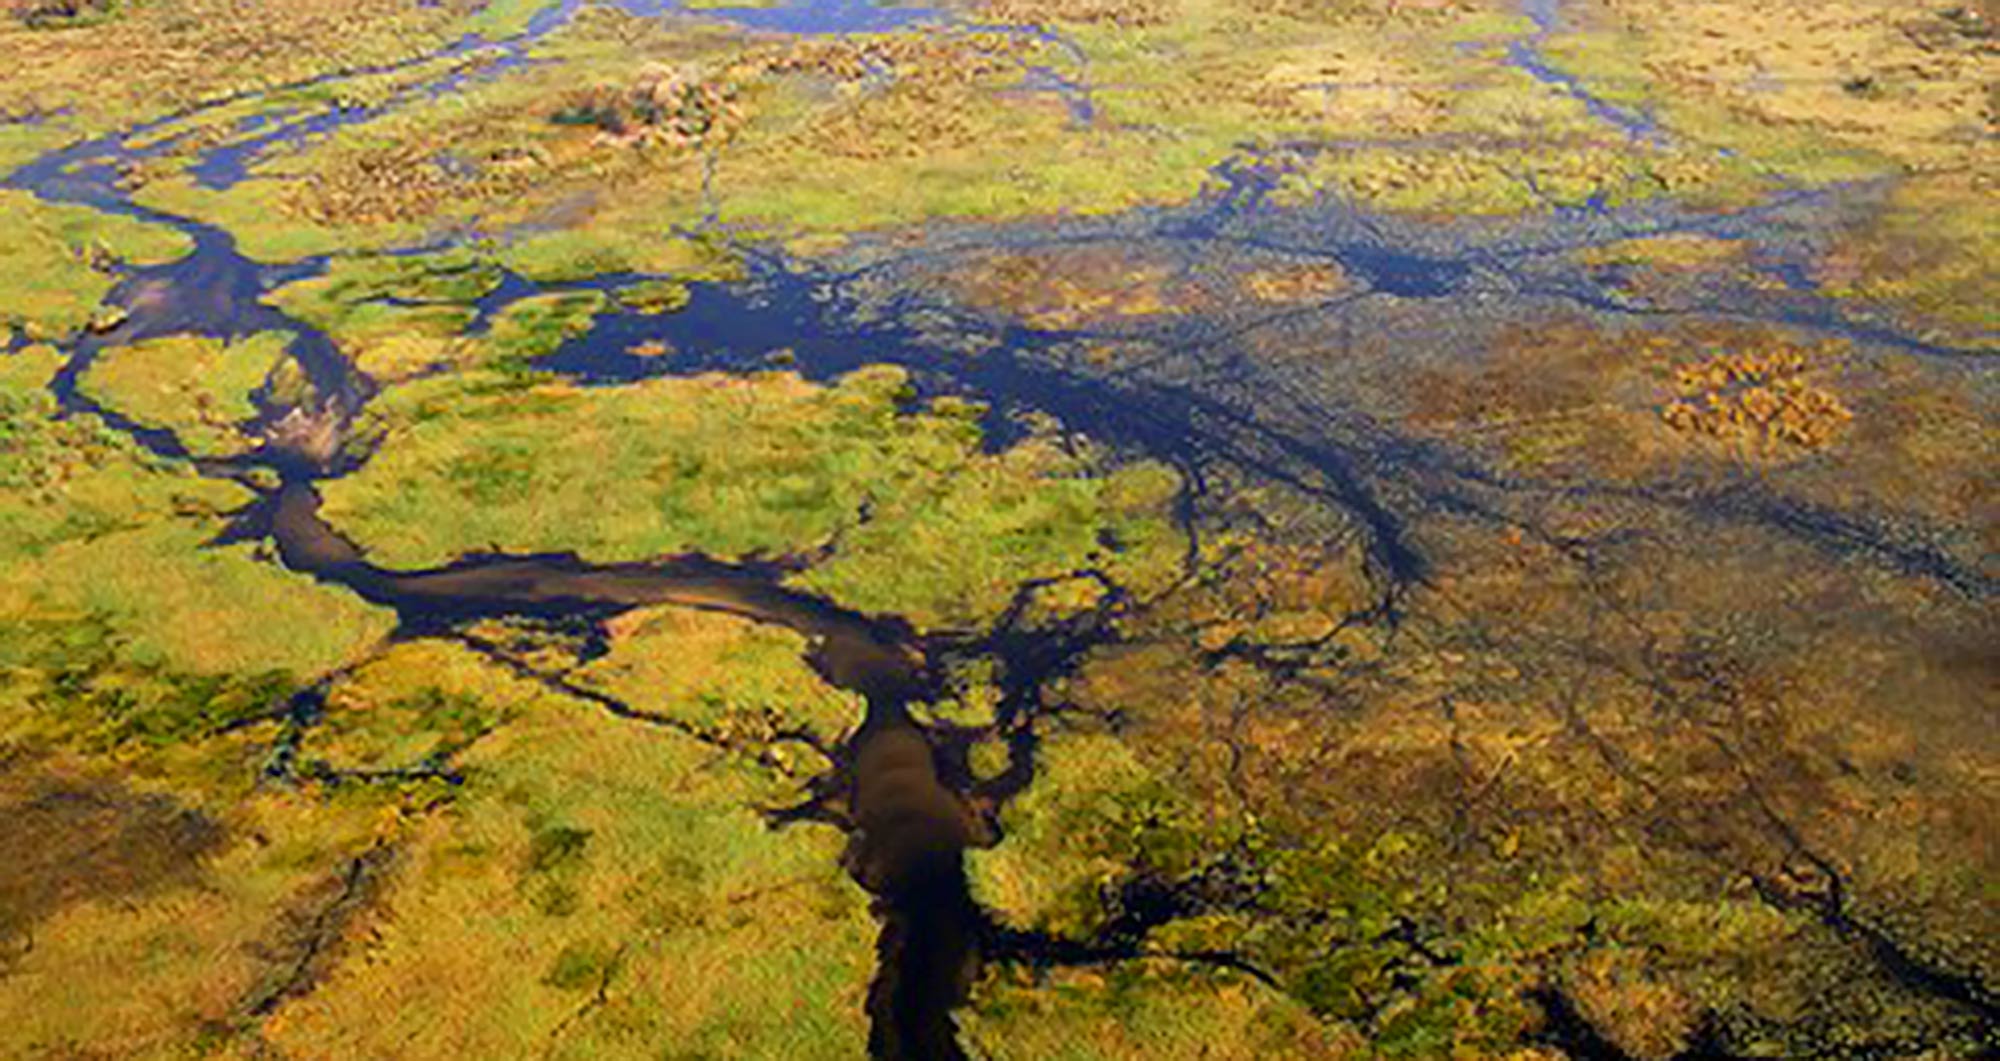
1527, 54
1199, 406
907, 829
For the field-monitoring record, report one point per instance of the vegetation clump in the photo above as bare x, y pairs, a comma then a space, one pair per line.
59, 261
1070, 288
1295, 283
674, 108
928, 526
1125, 13
51, 14
1754, 394
203, 390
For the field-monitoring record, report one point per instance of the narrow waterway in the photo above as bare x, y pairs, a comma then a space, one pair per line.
1198, 403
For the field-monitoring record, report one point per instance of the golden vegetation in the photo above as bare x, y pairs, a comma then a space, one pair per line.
1910, 82
1570, 394
676, 109
729, 677
1928, 255
1647, 1019
1125, 13
170, 55
1068, 288
410, 183
1757, 395
1294, 283
201, 389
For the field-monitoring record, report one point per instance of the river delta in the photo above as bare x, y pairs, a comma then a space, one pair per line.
1007, 529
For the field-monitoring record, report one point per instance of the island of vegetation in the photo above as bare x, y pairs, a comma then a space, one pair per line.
1004, 529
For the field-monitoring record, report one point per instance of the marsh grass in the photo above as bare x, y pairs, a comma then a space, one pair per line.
199, 388
729, 676
734, 467
607, 859
55, 264
119, 622
166, 56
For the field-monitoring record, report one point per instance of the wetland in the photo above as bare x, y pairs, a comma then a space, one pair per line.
1040, 529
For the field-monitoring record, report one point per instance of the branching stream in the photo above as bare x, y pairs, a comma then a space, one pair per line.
1199, 399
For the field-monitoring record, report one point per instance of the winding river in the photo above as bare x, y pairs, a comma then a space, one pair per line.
1199, 405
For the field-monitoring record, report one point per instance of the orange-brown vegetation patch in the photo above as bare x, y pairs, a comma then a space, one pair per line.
917, 88
1756, 394
914, 99
406, 182
1645, 1018
1532, 372
903, 121
670, 106
156, 58
1064, 288
1572, 389
1294, 283
1912, 81
1129, 13
72, 838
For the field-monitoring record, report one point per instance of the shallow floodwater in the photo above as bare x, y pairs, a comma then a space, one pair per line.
1213, 385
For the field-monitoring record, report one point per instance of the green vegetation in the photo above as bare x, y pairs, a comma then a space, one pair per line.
72, 479
498, 19
729, 677
1593, 758
396, 316
167, 636
734, 467
139, 648
653, 296
198, 388
536, 326
55, 263
592, 858
1137, 1010
637, 246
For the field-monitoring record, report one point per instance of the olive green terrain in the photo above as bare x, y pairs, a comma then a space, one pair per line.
1652, 720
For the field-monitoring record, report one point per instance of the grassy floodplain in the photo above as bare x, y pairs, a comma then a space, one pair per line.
1441, 528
